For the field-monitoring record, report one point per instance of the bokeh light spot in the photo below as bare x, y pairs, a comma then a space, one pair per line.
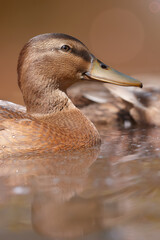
154, 6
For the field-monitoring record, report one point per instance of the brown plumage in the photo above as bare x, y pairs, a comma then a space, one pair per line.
48, 64
118, 105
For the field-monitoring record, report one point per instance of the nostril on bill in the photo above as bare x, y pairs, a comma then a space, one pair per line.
103, 66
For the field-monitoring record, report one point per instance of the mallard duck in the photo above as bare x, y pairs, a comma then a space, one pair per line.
118, 106
142, 104
48, 64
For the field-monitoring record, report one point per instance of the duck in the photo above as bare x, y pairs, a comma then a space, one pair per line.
48, 65
142, 105
118, 106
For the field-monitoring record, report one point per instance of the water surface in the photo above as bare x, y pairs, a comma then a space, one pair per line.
108, 193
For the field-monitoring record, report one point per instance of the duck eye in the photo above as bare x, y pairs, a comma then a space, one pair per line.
65, 48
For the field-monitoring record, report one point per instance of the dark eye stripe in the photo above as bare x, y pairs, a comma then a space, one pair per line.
81, 53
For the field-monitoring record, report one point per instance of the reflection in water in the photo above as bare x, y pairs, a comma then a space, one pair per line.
72, 196
57, 216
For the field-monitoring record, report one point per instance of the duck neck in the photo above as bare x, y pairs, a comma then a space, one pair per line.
53, 102
45, 99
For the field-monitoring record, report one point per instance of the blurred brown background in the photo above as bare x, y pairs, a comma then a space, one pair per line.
123, 33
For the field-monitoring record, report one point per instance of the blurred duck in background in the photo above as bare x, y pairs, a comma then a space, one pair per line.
109, 104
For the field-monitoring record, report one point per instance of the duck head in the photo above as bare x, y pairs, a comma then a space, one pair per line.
54, 61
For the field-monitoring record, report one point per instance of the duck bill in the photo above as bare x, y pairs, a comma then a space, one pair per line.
103, 73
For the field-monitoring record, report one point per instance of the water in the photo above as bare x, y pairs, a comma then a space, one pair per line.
108, 193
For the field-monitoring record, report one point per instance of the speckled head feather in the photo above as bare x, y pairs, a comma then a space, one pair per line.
45, 43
